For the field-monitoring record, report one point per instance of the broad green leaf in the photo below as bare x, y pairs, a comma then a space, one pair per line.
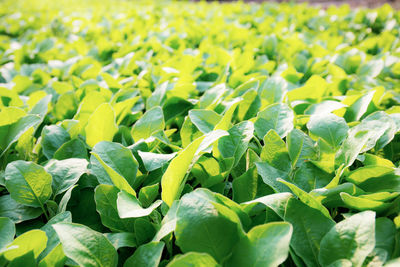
129, 206
193, 259
212, 96
352, 239
277, 202
34, 240
52, 239
236, 143
119, 162
362, 204
273, 89
264, 245
119, 181
244, 187
74, 148
62, 205
152, 121
174, 177
65, 173
147, 255
148, 194
270, 175
350, 148
309, 227
168, 224
85, 246
383, 127
101, 125
53, 137
306, 198
56, 258
153, 161
27, 259
385, 231
300, 147
362, 174
324, 107
389, 182
331, 128
206, 226
7, 232
204, 119
359, 107
106, 205
10, 133
314, 88
17, 212
225, 122
275, 152
278, 117
121, 240
28, 183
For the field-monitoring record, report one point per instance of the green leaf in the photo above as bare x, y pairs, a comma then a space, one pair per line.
62, 205
147, 255
277, 202
118, 180
129, 206
106, 205
101, 125
65, 173
306, 198
359, 107
53, 137
350, 148
205, 226
270, 175
85, 246
7, 232
352, 239
244, 187
309, 227
17, 212
56, 258
151, 122
28, 183
34, 240
331, 128
300, 147
363, 174
74, 148
278, 117
10, 133
28, 259
174, 177
193, 259
314, 88
53, 241
264, 245
385, 232
121, 240
204, 119
362, 204
153, 161
275, 152
235, 144
118, 163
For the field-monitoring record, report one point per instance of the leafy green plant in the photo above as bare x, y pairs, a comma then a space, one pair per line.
198, 134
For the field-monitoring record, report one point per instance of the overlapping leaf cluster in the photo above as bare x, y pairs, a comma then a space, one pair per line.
198, 134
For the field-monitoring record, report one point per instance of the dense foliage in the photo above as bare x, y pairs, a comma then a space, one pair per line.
198, 134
